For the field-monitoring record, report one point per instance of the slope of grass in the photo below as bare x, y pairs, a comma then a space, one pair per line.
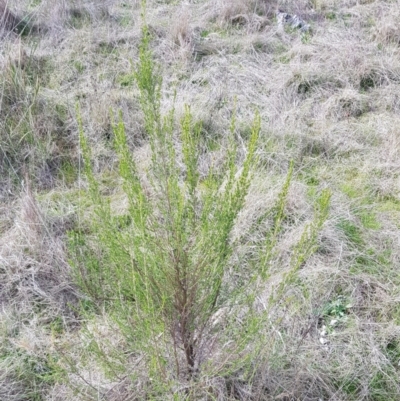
328, 101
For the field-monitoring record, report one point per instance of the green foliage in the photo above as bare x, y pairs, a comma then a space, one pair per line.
383, 385
380, 384
352, 232
204, 33
393, 351
331, 15
306, 37
307, 245
163, 270
126, 80
337, 308
33, 372
68, 172
79, 66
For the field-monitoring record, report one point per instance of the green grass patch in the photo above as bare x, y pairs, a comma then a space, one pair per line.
126, 80
388, 205
352, 232
368, 219
68, 172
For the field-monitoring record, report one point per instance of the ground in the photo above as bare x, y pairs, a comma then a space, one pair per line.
329, 102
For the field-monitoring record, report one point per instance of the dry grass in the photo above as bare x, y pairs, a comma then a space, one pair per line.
328, 100
8, 20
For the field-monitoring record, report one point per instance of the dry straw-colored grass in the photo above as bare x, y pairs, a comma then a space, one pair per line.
9, 21
328, 100
36, 290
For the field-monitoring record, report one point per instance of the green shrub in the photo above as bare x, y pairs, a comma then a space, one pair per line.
163, 271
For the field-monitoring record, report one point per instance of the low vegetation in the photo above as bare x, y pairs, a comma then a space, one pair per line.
197, 203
